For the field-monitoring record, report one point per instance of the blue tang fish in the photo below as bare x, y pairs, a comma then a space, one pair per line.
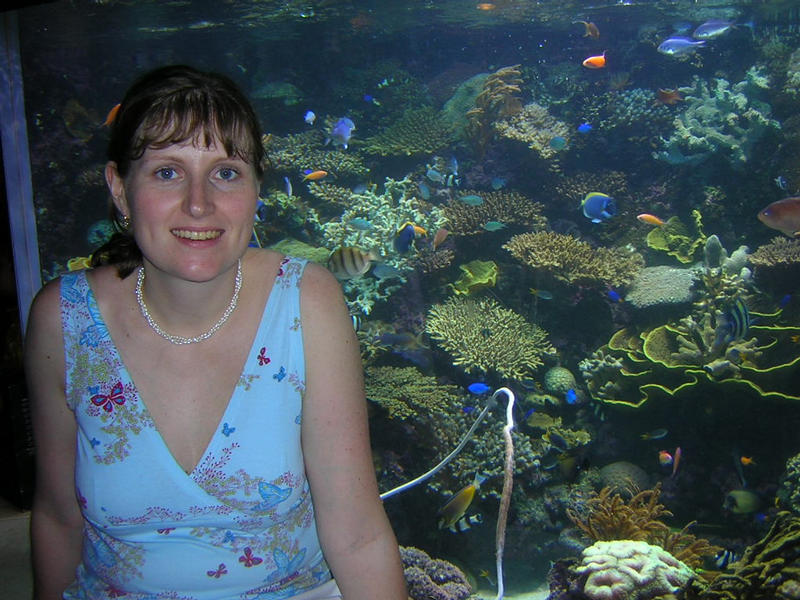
678, 46
341, 133
478, 388
571, 396
598, 207
584, 128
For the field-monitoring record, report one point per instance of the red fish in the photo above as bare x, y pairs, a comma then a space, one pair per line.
595, 62
783, 215
441, 236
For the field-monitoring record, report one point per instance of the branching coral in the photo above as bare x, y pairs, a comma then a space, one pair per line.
418, 131
722, 119
498, 99
481, 336
504, 207
779, 252
574, 261
535, 127
606, 516
405, 391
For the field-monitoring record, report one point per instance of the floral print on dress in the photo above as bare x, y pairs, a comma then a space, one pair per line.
246, 508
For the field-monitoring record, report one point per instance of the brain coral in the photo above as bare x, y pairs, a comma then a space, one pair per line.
661, 286
624, 477
481, 335
627, 570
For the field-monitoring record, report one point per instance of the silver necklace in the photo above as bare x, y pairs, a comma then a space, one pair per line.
179, 339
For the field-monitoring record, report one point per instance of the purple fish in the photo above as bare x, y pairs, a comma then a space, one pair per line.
677, 46
341, 133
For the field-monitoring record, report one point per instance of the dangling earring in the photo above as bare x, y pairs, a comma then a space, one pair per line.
126, 222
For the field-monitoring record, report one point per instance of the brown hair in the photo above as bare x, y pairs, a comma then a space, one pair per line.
171, 105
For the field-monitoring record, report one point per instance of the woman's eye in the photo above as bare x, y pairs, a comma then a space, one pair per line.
228, 174
166, 173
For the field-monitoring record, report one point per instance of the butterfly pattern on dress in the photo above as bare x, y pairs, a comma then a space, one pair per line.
271, 495
263, 359
107, 401
280, 374
218, 572
286, 568
249, 559
227, 430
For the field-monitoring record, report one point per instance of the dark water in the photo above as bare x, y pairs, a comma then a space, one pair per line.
726, 148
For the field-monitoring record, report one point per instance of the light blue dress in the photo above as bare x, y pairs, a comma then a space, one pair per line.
241, 524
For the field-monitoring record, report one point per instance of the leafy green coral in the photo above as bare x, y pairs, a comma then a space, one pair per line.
482, 336
475, 275
676, 239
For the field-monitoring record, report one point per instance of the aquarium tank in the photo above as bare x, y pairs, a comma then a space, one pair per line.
576, 230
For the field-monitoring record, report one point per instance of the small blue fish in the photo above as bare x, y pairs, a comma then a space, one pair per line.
309, 117
598, 207
784, 301
494, 226
479, 388
472, 200
404, 239
468, 410
558, 143
288, 188
543, 294
341, 133
571, 397
614, 296
584, 128
360, 223
678, 46
498, 183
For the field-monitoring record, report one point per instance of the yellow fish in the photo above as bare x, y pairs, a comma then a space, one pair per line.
455, 508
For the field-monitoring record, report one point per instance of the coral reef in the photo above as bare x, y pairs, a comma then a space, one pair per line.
384, 213
777, 263
405, 391
720, 119
509, 208
432, 579
629, 570
498, 99
417, 131
559, 380
535, 127
676, 239
475, 275
297, 152
574, 261
659, 287
623, 477
768, 570
629, 116
482, 336
789, 489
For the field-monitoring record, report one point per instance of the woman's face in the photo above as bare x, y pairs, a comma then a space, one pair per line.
191, 207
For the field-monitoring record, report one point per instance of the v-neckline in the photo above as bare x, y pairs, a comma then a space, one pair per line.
125, 373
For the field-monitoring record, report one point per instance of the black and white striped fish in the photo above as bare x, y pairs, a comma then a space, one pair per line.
466, 522
724, 558
349, 262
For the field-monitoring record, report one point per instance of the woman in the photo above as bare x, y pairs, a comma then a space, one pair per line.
168, 385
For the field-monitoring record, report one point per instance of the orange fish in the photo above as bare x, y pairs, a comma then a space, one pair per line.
485, 6
747, 461
669, 97
112, 114
591, 29
676, 461
315, 175
595, 62
650, 219
783, 215
439, 237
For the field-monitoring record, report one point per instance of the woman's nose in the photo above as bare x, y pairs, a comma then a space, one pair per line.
199, 200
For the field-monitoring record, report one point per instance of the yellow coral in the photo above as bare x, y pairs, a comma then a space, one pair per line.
480, 335
573, 261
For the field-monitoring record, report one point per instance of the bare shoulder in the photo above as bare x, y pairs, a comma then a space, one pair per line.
45, 312
319, 285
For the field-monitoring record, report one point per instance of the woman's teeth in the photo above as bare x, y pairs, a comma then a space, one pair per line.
196, 235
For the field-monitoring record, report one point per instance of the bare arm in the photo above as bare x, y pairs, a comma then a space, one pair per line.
56, 521
355, 534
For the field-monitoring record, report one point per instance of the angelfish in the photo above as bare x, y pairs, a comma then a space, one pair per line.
458, 504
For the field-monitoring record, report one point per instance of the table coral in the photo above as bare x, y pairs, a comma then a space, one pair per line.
405, 391
660, 287
776, 263
574, 261
417, 131
720, 119
535, 127
482, 336
298, 152
630, 570
510, 208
